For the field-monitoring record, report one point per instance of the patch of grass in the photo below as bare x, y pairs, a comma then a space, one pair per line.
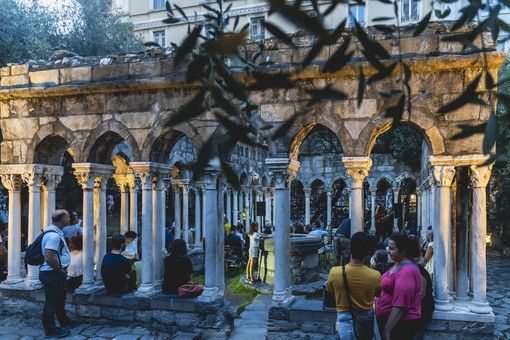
242, 307
237, 288
199, 276
315, 296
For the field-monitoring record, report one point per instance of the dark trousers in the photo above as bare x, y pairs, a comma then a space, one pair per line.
403, 330
55, 292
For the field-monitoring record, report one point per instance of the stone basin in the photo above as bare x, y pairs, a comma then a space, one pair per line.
304, 259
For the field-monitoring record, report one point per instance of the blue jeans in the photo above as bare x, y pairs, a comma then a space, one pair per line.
344, 324
55, 292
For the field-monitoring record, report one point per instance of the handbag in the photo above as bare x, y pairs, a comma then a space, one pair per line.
190, 289
362, 322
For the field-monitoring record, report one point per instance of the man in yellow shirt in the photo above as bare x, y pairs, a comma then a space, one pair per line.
364, 285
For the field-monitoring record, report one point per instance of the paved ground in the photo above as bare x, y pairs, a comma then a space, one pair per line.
252, 322
498, 291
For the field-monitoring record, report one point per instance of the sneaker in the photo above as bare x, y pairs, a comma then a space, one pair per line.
69, 324
256, 280
248, 280
56, 332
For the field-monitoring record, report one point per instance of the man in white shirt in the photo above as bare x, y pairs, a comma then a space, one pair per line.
317, 231
131, 251
53, 275
73, 229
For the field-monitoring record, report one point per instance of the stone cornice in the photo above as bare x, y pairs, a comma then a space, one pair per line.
31, 168
464, 160
99, 170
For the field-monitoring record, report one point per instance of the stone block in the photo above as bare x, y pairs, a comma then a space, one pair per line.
5, 71
91, 104
14, 80
81, 122
277, 313
19, 128
4, 110
46, 78
110, 72
276, 112
135, 120
214, 321
187, 319
46, 120
144, 315
110, 332
88, 311
20, 150
437, 325
17, 70
165, 317
117, 314
76, 75
145, 69
6, 152
185, 305
310, 327
133, 102
167, 67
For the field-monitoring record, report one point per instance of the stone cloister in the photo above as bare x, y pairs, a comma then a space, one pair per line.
91, 108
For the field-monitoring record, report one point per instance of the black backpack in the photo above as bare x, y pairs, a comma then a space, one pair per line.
34, 255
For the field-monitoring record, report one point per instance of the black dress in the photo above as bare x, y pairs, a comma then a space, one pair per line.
177, 272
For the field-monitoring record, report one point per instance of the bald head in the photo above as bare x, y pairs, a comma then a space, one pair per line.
60, 218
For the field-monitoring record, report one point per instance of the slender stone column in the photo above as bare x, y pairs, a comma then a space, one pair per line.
307, 192
13, 183
124, 206
284, 169
176, 188
419, 195
220, 234
87, 179
101, 227
228, 208
185, 212
198, 226
49, 190
328, 211
267, 201
348, 193
33, 181
204, 212
146, 171
443, 175
461, 232
133, 204
247, 209
480, 176
158, 229
273, 194
357, 168
235, 212
373, 193
395, 200
211, 230
162, 202
432, 203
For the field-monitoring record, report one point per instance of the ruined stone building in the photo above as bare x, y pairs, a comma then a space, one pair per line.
109, 115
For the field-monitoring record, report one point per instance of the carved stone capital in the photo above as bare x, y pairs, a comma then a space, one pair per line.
146, 171
443, 175
283, 169
11, 182
51, 181
87, 180
419, 192
432, 183
33, 180
480, 175
307, 192
357, 168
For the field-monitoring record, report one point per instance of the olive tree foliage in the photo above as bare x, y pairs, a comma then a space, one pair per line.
30, 30
214, 58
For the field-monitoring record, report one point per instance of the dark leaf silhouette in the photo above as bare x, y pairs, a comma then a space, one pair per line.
361, 86
278, 33
466, 97
326, 93
469, 130
339, 59
396, 112
190, 110
422, 24
171, 20
230, 175
491, 132
186, 47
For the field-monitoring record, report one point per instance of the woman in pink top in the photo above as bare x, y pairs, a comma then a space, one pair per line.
398, 310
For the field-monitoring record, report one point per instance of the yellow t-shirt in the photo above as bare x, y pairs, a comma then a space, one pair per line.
364, 285
227, 228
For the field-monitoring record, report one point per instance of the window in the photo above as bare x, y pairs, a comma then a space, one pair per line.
159, 37
409, 10
257, 29
356, 13
158, 4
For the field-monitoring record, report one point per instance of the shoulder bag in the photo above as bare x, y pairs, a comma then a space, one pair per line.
190, 289
362, 322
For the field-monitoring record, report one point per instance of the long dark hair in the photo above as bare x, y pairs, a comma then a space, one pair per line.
404, 243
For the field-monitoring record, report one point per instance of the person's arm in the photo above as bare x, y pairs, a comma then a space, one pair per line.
395, 315
429, 253
51, 258
423, 287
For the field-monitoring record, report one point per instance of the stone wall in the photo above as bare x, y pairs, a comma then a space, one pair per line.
163, 312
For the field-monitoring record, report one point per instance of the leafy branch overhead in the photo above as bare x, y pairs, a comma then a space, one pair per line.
216, 58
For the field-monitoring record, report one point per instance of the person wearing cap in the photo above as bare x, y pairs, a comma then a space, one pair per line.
178, 267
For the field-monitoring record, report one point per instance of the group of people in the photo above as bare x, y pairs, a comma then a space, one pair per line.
393, 278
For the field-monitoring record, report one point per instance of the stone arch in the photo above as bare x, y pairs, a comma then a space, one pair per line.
159, 142
243, 179
333, 179
386, 177
421, 123
100, 143
313, 179
264, 181
299, 131
42, 150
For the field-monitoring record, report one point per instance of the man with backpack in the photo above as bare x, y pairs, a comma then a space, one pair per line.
53, 275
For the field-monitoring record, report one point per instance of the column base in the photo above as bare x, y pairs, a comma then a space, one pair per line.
100, 285
197, 245
462, 298
32, 284
13, 281
480, 307
372, 231
146, 290
283, 299
209, 294
158, 284
89, 288
443, 305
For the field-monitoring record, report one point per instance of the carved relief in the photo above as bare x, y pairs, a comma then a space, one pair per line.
33, 180
11, 182
480, 175
51, 181
443, 175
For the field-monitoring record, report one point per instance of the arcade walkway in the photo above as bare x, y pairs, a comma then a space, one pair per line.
251, 324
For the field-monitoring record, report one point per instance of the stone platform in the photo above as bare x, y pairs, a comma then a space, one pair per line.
163, 313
